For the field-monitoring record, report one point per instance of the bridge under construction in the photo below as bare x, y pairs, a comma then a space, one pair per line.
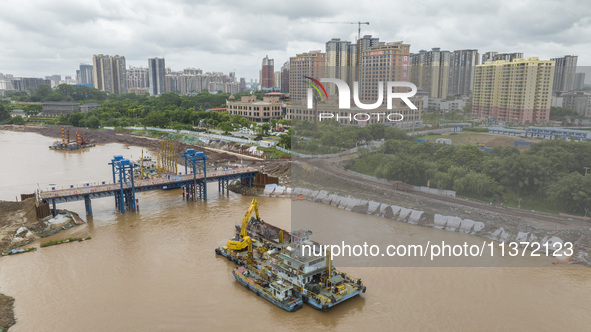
126, 183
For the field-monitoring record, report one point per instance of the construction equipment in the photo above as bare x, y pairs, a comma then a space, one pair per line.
241, 241
167, 163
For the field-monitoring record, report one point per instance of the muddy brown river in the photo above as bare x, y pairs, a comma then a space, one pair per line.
156, 269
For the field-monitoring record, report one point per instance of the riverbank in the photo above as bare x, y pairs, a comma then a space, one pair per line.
98, 136
18, 227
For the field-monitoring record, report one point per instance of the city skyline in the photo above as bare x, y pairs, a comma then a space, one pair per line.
55, 38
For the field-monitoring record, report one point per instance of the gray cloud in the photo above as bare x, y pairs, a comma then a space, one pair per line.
40, 38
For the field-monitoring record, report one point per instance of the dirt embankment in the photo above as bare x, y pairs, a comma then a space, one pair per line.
6, 312
13, 215
122, 137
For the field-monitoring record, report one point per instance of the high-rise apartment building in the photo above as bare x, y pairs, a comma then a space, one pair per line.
277, 81
267, 74
156, 76
462, 66
340, 62
26, 83
519, 91
102, 73
285, 77
109, 73
578, 101
382, 63
55, 80
137, 78
312, 64
84, 75
430, 71
579, 81
495, 56
564, 73
119, 74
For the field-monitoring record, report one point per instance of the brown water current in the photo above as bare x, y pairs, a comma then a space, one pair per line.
156, 269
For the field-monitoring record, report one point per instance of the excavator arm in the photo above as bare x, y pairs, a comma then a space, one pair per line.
240, 243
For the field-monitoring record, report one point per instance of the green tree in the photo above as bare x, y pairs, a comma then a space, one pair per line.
4, 113
571, 192
41, 92
93, 122
75, 119
156, 119
18, 120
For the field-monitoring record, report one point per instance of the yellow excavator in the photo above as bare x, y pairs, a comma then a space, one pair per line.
242, 241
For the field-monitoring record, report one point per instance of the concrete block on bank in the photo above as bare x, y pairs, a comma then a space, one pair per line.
321, 196
478, 226
269, 189
521, 236
466, 226
439, 221
453, 223
404, 212
500, 235
395, 210
555, 243
373, 207
415, 217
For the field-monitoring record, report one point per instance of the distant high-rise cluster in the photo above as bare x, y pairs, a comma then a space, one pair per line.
494, 83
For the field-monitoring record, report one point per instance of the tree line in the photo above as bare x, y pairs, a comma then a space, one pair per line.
328, 136
550, 172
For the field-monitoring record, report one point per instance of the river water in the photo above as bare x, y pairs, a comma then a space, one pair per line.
156, 269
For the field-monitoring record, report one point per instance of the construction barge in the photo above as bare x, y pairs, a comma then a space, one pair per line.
65, 143
280, 256
278, 292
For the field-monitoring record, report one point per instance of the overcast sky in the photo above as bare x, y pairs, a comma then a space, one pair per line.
44, 37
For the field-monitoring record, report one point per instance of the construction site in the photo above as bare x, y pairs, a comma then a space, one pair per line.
65, 144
